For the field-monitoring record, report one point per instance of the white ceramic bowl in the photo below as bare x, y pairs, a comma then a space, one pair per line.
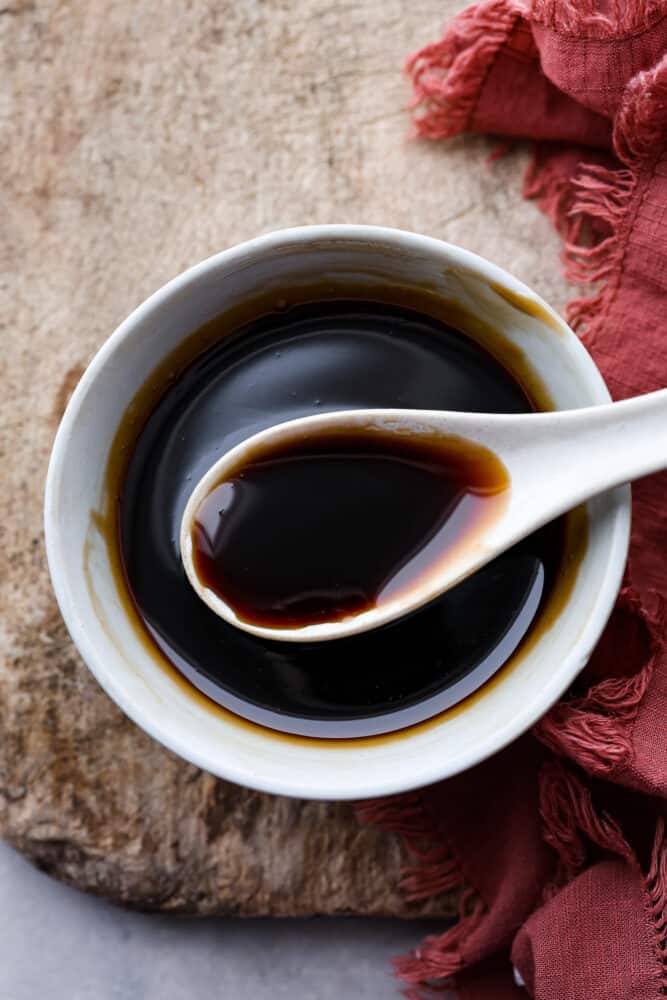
135, 677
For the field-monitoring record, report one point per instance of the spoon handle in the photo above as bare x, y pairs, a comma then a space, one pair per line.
558, 460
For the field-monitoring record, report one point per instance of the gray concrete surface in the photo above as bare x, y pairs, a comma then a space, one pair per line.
59, 944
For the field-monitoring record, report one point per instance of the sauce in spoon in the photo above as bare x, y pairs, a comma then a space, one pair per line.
340, 521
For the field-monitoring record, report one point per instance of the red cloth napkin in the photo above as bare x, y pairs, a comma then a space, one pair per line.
558, 843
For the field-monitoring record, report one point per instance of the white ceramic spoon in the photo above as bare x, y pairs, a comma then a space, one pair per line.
554, 461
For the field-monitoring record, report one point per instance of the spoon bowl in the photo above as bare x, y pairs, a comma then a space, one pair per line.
545, 464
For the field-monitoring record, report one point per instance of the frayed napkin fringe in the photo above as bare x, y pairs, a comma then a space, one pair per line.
434, 870
448, 75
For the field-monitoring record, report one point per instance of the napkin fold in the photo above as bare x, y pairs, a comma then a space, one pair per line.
557, 845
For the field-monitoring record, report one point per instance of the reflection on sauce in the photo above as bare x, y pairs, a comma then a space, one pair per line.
569, 538
338, 522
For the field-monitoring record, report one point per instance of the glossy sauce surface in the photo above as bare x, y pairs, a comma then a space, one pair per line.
335, 523
324, 356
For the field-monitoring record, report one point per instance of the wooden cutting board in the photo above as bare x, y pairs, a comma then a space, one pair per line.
138, 138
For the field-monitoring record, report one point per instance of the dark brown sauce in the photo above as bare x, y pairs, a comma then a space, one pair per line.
335, 523
318, 351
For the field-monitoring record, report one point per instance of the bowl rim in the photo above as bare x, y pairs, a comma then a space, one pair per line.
431, 768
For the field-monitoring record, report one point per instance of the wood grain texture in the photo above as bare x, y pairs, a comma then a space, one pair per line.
136, 139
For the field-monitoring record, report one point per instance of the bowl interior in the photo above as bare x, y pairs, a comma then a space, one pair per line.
88, 591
